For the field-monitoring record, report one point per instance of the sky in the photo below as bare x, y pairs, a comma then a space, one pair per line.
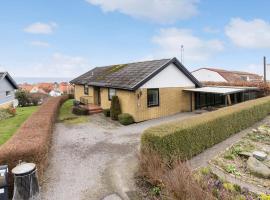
60, 38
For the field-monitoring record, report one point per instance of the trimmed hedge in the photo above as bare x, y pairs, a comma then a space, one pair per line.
187, 138
32, 140
125, 119
115, 108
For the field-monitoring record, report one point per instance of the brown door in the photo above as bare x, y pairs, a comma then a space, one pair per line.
98, 97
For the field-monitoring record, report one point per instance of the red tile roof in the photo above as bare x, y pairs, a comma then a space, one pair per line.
235, 76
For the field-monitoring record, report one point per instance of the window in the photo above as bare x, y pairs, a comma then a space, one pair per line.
111, 93
86, 89
152, 97
8, 93
244, 78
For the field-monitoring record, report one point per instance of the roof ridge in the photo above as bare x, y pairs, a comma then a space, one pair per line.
128, 63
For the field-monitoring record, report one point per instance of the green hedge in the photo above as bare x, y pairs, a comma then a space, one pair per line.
115, 108
125, 119
190, 137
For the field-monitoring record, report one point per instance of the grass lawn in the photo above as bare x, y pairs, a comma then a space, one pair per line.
9, 126
68, 117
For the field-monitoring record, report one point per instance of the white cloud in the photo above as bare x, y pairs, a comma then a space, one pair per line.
169, 43
249, 34
161, 11
39, 43
58, 65
41, 28
254, 68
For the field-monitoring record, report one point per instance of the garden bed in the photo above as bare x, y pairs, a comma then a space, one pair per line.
216, 187
234, 160
66, 116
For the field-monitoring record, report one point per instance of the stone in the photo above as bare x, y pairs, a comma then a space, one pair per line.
259, 155
267, 162
263, 130
112, 197
255, 131
266, 149
257, 168
245, 154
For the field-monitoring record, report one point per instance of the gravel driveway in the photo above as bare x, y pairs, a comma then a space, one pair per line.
95, 160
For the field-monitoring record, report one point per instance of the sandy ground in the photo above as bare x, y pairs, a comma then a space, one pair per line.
95, 160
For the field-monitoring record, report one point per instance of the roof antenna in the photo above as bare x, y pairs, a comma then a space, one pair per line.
182, 54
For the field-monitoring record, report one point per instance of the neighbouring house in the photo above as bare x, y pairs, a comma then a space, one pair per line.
221, 75
146, 90
26, 87
7, 90
37, 89
66, 88
52, 89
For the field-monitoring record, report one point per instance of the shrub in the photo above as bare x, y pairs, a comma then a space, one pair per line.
107, 112
176, 181
11, 111
78, 110
125, 119
32, 140
115, 108
4, 114
76, 103
181, 184
190, 137
23, 98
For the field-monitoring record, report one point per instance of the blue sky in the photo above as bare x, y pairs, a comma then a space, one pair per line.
59, 38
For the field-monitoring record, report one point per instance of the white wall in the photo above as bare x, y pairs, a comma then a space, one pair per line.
6, 86
171, 76
208, 75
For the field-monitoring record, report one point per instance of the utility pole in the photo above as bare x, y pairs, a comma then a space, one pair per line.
182, 54
264, 69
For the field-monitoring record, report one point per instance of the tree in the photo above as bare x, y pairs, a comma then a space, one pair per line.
23, 98
115, 108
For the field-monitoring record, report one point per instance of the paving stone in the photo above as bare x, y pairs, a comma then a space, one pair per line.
257, 168
260, 155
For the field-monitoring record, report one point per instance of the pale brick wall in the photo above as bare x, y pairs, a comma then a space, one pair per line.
79, 92
172, 101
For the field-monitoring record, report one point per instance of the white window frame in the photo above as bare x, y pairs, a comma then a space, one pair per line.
111, 93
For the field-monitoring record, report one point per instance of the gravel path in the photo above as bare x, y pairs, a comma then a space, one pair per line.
95, 160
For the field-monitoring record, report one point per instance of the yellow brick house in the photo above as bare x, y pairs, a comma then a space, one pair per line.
146, 90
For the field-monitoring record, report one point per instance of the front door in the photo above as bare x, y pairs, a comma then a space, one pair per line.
98, 97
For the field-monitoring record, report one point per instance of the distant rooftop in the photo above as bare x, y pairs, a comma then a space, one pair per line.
234, 76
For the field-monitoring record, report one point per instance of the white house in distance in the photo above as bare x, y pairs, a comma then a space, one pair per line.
221, 75
7, 90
